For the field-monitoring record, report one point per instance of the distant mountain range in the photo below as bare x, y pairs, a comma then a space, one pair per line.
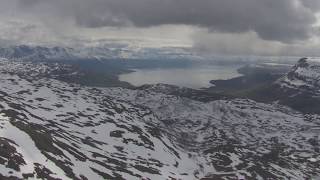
123, 51
41, 53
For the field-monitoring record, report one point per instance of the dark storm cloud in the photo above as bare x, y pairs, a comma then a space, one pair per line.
280, 20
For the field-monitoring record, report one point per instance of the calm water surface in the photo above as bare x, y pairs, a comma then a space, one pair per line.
192, 77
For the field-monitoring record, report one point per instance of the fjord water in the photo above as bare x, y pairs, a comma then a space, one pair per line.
192, 77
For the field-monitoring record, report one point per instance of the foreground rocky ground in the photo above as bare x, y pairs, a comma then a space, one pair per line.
56, 130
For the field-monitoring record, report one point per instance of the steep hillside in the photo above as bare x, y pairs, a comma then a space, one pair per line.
303, 77
299, 88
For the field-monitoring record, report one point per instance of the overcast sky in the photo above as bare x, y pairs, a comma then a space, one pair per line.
259, 27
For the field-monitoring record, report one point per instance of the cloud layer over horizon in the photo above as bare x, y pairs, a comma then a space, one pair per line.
269, 24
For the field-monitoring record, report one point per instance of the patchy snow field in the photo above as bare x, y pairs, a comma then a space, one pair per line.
60, 130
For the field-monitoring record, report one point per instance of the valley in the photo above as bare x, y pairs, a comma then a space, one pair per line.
159, 90
153, 131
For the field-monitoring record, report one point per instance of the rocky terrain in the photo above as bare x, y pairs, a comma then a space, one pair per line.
52, 129
303, 77
298, 88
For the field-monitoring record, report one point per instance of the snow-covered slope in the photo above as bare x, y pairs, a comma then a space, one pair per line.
84, 133
236, 136
53, 129
305, 75
298, 89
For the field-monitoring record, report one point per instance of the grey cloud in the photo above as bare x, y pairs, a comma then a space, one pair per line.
280, 20
26, 3
314, 5
250, 44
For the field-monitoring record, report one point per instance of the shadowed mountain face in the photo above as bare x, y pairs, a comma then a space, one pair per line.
303, 77
298, 89
52, 129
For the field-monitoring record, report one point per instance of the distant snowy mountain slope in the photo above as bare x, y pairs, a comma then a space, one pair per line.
304, 76
299, 88
99, 52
